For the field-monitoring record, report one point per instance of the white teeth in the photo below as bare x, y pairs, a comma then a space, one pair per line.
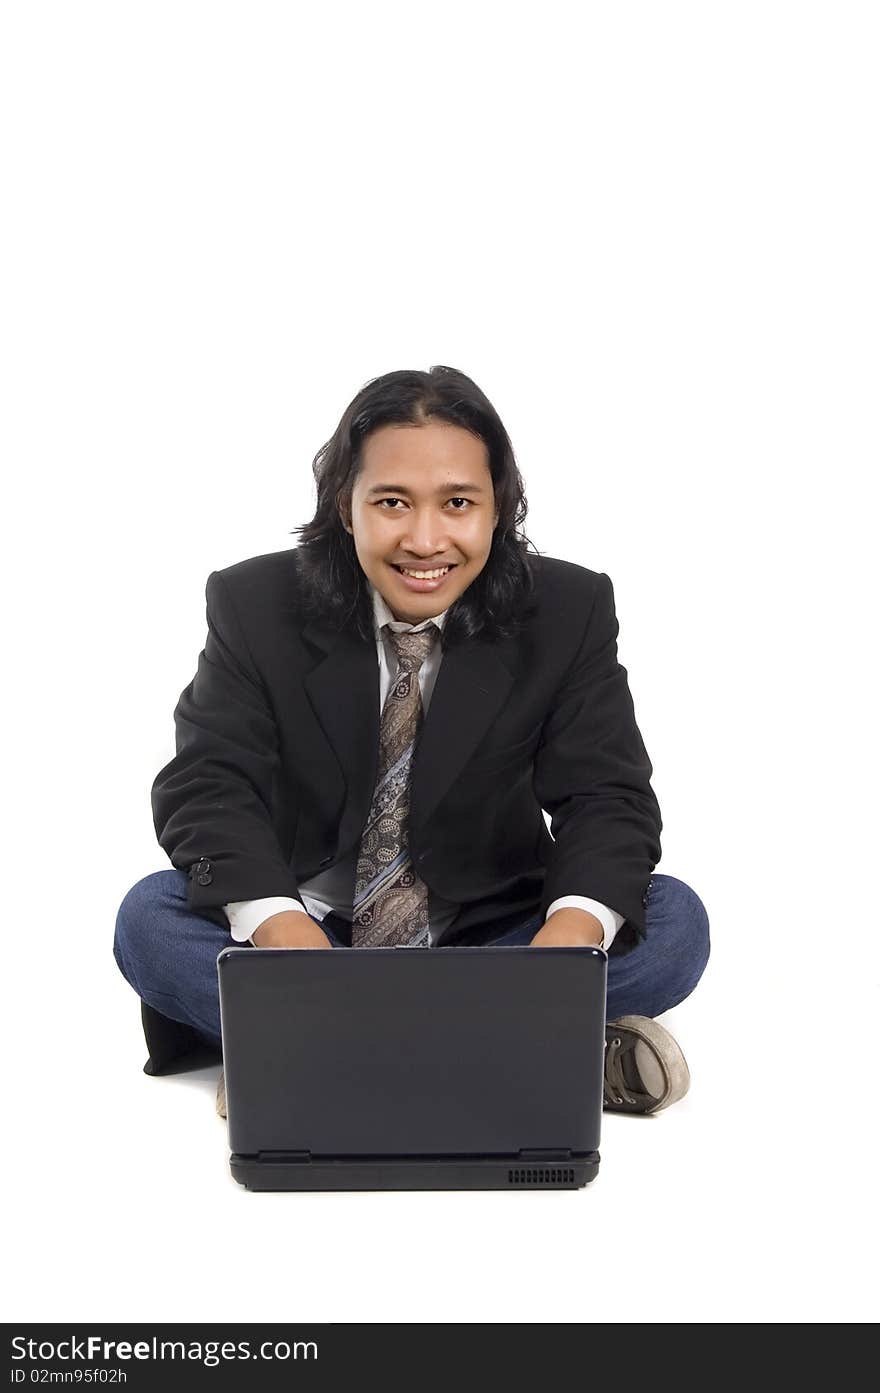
425, 575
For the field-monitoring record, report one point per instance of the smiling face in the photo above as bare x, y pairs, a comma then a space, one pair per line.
423, 501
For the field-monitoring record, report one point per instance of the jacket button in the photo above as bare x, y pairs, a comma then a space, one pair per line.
202, 871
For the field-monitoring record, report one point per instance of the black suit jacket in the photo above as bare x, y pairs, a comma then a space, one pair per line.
277, 749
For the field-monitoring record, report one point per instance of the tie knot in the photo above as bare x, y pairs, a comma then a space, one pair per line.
412, 649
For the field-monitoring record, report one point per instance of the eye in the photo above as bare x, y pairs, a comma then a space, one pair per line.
456, 499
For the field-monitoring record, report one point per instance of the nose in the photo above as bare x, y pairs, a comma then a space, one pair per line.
426, 533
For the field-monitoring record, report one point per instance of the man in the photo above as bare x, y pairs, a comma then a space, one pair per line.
378, 722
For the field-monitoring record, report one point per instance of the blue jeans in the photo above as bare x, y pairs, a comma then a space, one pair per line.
168, 952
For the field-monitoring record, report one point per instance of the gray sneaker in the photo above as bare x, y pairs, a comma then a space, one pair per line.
644, 1068
221, 1095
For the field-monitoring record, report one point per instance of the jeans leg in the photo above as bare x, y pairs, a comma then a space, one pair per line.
668, 963
168, 953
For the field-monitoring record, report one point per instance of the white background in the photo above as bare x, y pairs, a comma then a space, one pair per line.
649, 231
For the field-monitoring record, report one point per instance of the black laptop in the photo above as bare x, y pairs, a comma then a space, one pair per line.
413, 1068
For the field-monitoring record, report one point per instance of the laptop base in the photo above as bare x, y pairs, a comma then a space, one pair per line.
279, 1172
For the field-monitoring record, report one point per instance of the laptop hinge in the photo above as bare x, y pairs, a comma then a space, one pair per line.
284, 1157
546, 1154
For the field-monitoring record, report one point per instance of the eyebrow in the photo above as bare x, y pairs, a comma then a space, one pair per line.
444, 488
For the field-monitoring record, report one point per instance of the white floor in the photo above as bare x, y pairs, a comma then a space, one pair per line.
748, 1201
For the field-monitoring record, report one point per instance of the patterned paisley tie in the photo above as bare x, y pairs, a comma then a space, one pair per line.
390, 902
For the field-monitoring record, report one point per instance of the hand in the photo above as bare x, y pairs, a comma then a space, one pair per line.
569, 928
290, 929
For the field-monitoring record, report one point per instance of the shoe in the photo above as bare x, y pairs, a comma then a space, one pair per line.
221, 1095
644, 1068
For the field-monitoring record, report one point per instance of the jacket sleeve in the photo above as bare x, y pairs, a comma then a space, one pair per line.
592, 775
213, 802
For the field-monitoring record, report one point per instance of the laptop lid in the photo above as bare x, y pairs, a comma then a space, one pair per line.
413, 1052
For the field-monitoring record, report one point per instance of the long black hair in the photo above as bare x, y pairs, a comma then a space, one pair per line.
333, 586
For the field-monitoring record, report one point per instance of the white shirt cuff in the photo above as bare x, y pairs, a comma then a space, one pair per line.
608, 918
246, 916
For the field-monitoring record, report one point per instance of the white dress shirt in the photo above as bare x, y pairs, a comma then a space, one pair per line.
327, 891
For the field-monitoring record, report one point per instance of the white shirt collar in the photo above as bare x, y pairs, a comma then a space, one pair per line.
382, 615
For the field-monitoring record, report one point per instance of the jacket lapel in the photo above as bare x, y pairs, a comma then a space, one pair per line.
471, 688
343, 688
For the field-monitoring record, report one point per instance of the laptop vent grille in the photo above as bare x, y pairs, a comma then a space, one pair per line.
543, 1175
